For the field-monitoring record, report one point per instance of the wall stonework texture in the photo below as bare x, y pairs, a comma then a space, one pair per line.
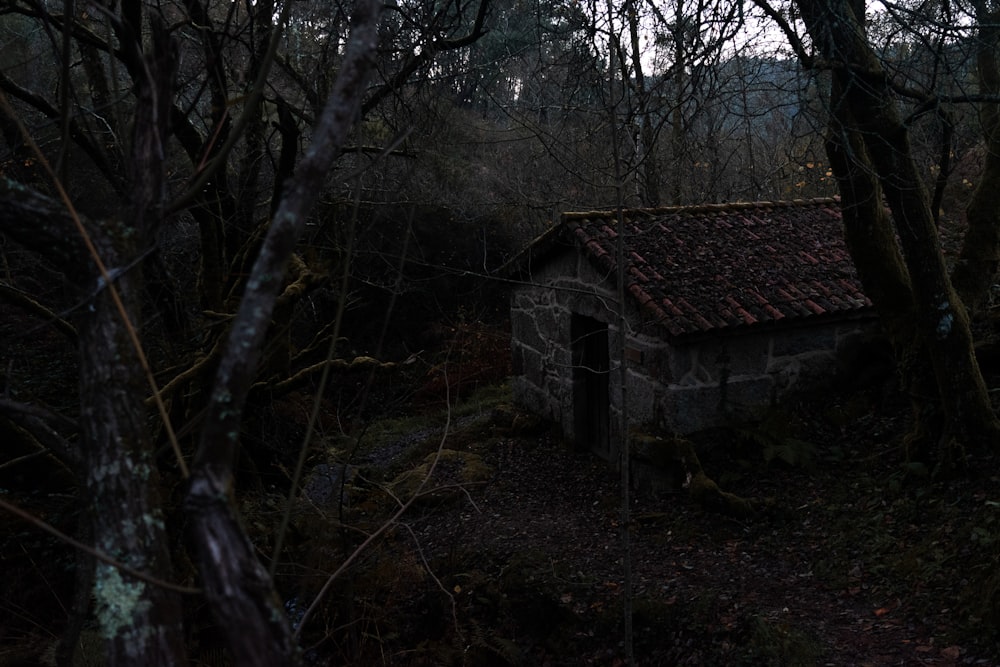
679, 387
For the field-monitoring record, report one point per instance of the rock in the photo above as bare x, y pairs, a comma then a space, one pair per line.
322, 485
453, 470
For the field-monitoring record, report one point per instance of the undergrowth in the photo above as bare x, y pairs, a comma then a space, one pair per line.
897, 549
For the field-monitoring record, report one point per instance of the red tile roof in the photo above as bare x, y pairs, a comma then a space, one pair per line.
705, 268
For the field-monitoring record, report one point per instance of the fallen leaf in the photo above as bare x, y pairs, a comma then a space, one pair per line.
882, 611
951, 652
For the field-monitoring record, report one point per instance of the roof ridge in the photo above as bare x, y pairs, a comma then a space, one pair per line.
701, 208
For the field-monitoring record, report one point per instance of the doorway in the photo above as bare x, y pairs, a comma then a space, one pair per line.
591, 386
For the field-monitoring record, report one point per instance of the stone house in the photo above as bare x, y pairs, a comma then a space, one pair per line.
729, 308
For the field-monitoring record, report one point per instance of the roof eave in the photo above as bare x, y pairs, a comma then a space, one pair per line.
860, 315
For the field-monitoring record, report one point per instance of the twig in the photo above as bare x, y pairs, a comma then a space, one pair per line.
99, 555
19, 298
22, 459
381, 529
317, 397
191, 371
430, 573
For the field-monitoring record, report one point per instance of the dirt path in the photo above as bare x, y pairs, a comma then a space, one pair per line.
782, 589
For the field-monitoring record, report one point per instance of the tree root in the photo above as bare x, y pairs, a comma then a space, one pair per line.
706, 492
666, 453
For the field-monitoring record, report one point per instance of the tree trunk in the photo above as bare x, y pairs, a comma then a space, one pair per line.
980, 255
238, 588
648, 170
677, 138
939, 316
141, 621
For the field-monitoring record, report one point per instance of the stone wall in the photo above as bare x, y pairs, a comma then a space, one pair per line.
541, 315
680, 388
733, 378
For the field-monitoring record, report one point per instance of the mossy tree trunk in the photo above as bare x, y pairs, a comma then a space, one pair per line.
238, 588
872, 157
980, 255
139, 618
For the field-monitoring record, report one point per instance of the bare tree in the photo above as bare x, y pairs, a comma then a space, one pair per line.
891, 226
165, 165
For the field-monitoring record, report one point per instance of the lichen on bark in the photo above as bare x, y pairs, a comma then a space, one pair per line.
118, 602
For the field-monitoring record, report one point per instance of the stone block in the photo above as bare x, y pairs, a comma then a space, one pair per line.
644, 393
524, 330
530, 363
690, 409
801, 341
747, 397
549, 325
695, 408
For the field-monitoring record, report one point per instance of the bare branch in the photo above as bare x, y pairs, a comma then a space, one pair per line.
16, 297
356, 364
237, 585
427, 55
793, 38
99, 555
203, 176
41, 224
38, 422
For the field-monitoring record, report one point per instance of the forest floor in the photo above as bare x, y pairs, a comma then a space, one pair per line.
859, 561
512, 552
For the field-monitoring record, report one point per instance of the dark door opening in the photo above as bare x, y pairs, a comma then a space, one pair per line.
591, 393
